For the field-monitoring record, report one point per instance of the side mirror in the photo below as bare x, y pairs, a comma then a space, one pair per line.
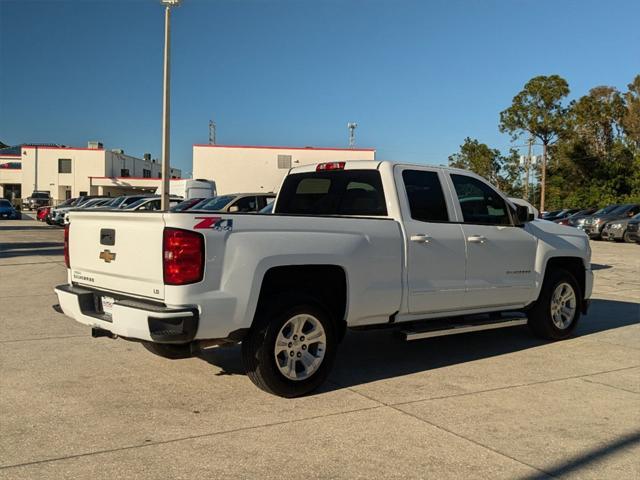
523, 214
234, 208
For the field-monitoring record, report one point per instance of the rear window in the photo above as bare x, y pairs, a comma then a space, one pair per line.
343, 192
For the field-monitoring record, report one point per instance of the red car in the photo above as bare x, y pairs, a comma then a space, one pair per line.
42, 213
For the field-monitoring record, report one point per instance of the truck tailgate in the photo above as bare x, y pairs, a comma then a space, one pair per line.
118, 252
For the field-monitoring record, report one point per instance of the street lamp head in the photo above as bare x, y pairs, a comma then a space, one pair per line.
170, 3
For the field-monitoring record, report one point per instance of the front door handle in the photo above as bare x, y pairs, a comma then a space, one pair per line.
420, 238
476, 239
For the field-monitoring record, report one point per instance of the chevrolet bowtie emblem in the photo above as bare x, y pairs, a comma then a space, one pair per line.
107, 256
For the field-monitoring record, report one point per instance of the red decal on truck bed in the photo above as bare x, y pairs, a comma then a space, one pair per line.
214, 223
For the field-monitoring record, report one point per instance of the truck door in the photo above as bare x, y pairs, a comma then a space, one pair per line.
435, 250
500, 255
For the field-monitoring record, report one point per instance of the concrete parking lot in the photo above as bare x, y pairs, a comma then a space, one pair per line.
496, 404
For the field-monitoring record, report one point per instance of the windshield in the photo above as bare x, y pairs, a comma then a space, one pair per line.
137, 203
607, 209
39, 195
619, 210
267, 209
5, 203
128, 202
186, 204
68, 202
114, 202
216, 203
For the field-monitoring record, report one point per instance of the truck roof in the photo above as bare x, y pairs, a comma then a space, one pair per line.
374, 165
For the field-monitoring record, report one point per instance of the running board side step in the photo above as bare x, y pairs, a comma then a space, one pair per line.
442, 330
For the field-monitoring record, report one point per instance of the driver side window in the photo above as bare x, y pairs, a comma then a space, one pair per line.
480, 203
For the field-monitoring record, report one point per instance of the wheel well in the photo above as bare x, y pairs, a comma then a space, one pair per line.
327, 283
573, 265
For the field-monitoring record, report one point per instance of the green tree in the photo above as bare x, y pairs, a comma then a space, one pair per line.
504, 172
631, 117
597, 118
597, 161
539, 112
478, 158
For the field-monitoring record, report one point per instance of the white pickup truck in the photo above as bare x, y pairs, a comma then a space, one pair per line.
429, 251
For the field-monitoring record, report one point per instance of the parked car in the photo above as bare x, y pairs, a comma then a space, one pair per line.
123, 201
633, 229
561, 214
358, 244
89, 204
576, 218
587, 220
56, 214
150, 204
617, 230
8, 211
187, 204
39, 198
594, 225
41, 213
237, 202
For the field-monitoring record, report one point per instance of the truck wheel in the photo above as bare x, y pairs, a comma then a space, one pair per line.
557, 310
290, 350
167, 350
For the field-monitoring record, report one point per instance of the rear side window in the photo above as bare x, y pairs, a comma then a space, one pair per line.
424, 192
480, 203
342, 192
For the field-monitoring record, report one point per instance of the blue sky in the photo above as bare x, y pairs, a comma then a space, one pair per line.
417, 76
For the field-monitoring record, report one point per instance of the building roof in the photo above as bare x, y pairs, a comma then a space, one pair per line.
272, 147
16, 150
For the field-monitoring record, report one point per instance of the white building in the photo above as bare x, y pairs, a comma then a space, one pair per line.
67, 172
238, 168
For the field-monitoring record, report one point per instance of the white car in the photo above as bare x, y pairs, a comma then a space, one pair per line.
428, 251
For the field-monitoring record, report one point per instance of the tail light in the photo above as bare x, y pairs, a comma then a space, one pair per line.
182, 256
67, 261
323, 167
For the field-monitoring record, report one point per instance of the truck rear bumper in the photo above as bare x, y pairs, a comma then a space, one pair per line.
131, 318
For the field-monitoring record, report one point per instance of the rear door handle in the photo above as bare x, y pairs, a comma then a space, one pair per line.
420, 238
476, 239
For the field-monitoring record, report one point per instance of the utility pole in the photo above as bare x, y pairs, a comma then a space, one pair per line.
352, 134
527, 168
543, 176
166, 168
212, 132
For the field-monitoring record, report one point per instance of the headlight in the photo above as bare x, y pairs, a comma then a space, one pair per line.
616, 225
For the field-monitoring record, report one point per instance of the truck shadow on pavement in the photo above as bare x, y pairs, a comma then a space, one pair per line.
373, 355
28, 249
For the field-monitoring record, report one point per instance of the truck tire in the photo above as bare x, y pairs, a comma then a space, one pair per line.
291, 348
167, 350
555, 314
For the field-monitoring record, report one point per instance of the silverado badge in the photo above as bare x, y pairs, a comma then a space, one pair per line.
107, 256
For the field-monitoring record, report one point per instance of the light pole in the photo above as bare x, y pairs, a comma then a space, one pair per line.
166, 172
